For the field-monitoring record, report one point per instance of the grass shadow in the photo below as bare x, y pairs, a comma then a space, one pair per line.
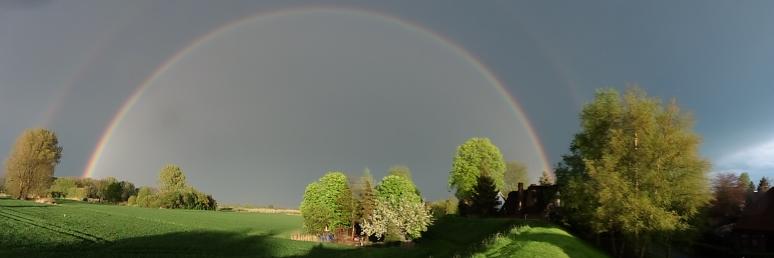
447, 238
179, 244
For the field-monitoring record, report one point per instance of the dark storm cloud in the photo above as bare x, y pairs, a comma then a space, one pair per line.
714, 58
267, 106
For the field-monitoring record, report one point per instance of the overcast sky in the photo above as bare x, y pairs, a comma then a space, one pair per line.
255, 111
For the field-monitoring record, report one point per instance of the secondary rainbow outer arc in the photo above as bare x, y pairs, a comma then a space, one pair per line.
482, 68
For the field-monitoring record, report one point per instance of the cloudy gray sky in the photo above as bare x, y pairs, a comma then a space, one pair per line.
255, 111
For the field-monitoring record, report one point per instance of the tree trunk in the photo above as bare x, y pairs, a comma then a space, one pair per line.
623, 248
599, 241
613, 245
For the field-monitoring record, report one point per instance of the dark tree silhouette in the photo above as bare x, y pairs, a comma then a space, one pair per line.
484, 198
763, 185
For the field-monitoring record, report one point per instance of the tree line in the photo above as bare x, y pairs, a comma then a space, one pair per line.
391, 210
29, 173
394, 210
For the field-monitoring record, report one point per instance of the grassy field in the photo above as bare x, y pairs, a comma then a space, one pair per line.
75, 229
537, 240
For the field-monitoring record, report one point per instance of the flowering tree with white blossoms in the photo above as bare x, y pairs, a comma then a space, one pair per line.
399, 213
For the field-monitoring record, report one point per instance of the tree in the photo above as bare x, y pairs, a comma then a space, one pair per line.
763, 185
515, 173
399, 213
748, 187
546, 179
62, 187
729, 197
397, 220
746, 182
321, 207
146, 198
397, 187
177, 194
475, 157
349, 207
484, 199
90, 186
132, 201
400, 170
641, 176
188, 198
108, 189
127, 190
444, 207
30, 166
171, 178
366, 195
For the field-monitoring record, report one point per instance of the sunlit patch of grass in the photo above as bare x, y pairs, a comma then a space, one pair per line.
541, 240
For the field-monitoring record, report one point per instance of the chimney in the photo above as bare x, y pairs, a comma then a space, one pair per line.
521, 196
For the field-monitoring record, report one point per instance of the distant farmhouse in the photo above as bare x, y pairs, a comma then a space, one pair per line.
533, 202
755, 229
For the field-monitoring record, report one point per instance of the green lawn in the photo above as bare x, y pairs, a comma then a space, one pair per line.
537, 240
76, 229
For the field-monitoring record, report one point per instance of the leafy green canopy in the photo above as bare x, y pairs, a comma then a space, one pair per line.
171, 178
640, 173
477, 156
400, 170
395, 187
322, 205
174, 192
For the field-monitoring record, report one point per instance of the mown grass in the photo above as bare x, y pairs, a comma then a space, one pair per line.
76, 229
537, 240
93, 230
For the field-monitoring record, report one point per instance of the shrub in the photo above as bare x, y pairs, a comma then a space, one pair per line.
187, 199
132, 201
445, 207
78, 193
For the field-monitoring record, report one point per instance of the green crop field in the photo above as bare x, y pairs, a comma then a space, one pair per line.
75, 229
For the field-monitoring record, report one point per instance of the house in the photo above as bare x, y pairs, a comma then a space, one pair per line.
755, 229
536, 200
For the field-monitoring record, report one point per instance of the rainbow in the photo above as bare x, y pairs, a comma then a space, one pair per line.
518, 110
81, 71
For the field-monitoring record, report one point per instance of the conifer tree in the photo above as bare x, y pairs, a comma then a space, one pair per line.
484, 199
763, 185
